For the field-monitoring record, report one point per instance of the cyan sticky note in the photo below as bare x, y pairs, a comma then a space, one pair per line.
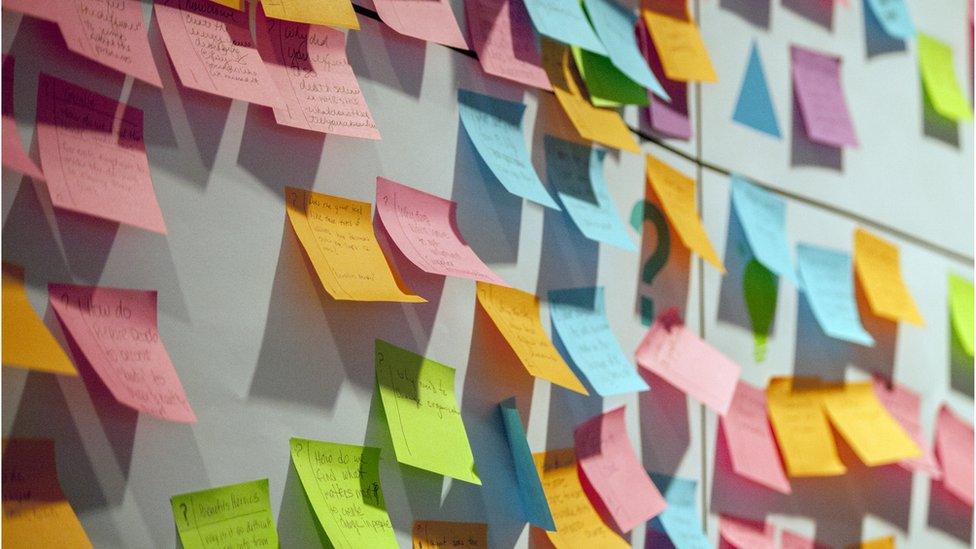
755, 106
680, 519
827, 280
533, 498
564, 20
763, 218
894, 18
615, 25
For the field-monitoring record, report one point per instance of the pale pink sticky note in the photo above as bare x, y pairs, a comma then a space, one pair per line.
684, 360
750, 440
15, 157
211, 48
608, 463
792, 540
502, 35
820, 94
41, 9
424, 228
93, 155
430, 20
954, 449
740, 533
317, 86
111, 33
905, 406
115, 329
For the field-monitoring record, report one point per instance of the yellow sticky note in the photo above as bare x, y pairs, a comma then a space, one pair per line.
939, 79
679, 44
433, 534
578, 525
677, 194
235, 4
875, 436
879, 271
27, 343
961, 310
516, 315
338, 238
887, 542
334, 13
801, 427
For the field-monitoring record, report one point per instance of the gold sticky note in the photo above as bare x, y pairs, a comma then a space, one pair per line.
879, 271
433, 534
887, 542
679, 44
875, 436
802, 430
334, 13
27, 343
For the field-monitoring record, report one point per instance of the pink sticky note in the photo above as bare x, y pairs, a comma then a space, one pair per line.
752, 446
667, 118
93, 155
424, 228
111, 33
41, 9
687, 362
740, 533
954, 449
430, 20
15, 157
503, 36
211, 48
820, 95
115, 330
607, 460
905, 406
792, 540
318, 88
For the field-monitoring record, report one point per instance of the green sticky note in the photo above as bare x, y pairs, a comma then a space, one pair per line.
605, 84
759, 287
961, 310
238, 515
422, 412
939, 79
342, 483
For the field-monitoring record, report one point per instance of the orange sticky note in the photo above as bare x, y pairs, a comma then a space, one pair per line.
879, 272
677, 194
802, 430
434, 534
516, 315
887, 542
875, 436
235, 4
27, 343
35, 511
679, 45
335, 13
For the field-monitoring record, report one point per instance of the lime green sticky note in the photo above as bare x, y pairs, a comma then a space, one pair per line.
342, 483
939, 79
605, 84
238, 515
422, 412
961, 310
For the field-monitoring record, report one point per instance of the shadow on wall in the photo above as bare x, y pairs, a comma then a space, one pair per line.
879, 359
804, 152
948, 513
664, 424
820, 12
960, 364
936, 126
756, 12
277, 155
664, 276
398, 64
876, 40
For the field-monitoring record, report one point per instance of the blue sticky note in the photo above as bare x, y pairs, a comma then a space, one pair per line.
534, 502
614, 25
894, 18
576, 172
579, 318
763, 218
495, 127
564, 20
679, 521
755, 106
827, 279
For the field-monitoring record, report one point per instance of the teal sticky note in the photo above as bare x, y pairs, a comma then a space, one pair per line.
679, 521
564, 20
495, 127
533, 498
614, 25
827, 280
579, 317
576, 172
755, 106
894, 17
763, 218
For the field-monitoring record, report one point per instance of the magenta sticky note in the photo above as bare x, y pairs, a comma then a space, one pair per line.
738, 533
954, 449
502, 35
905, 406
15, 157
750, 440
820, 95
429, 20
668, 118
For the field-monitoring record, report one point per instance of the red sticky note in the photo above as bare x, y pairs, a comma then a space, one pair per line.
745, 534
954, 448
905, 406
503, 36
15, 156
430, 20
752, 446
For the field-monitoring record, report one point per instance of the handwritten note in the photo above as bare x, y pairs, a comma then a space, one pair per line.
35, 511
763, 218
565, 22
827, 283
606, 85
238, 515
879, 271
875, 436
754, 107
680, 519
430, 20
942, 90
905, 406
751, 445
422, 412
342, 483
669, 118
961, 310
335, 13
26, 341
432, 534
954, 450
614, 25
820, 95
894, 18
680, 45
94, 156
745, 534
14, 155
502, 35
115, 330
801, 426
424, 228
533, 498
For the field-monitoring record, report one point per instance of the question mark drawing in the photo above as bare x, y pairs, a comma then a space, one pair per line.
185, 518
644, 211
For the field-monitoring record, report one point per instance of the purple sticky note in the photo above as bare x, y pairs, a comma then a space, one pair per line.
667, 118
820, 96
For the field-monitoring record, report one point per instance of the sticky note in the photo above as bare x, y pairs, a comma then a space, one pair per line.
669, 118
576, 172
238, 515
423, 415
961, 310
826, 280
887, 542
516, 315
27, 343
424, 228
502, 35
606, 85
564, 21
577, 522
212, 51
674, 353
677, 195
820, 95
801, 426
115, 330
236, 4
614, 25
93, 155
46, 11
14, 155
35, 511
495, 127
754, 108
608, 462
430, 20
905, 406
535, 508
680, 519
335, 13
342, 483
318, 89
432, 534
750, 441
792, 540
579, 316
759, 290
763, 218
894, 18
954, 450
745, 534
680, 45
878, 268
939, 79
337, 236
875, 436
